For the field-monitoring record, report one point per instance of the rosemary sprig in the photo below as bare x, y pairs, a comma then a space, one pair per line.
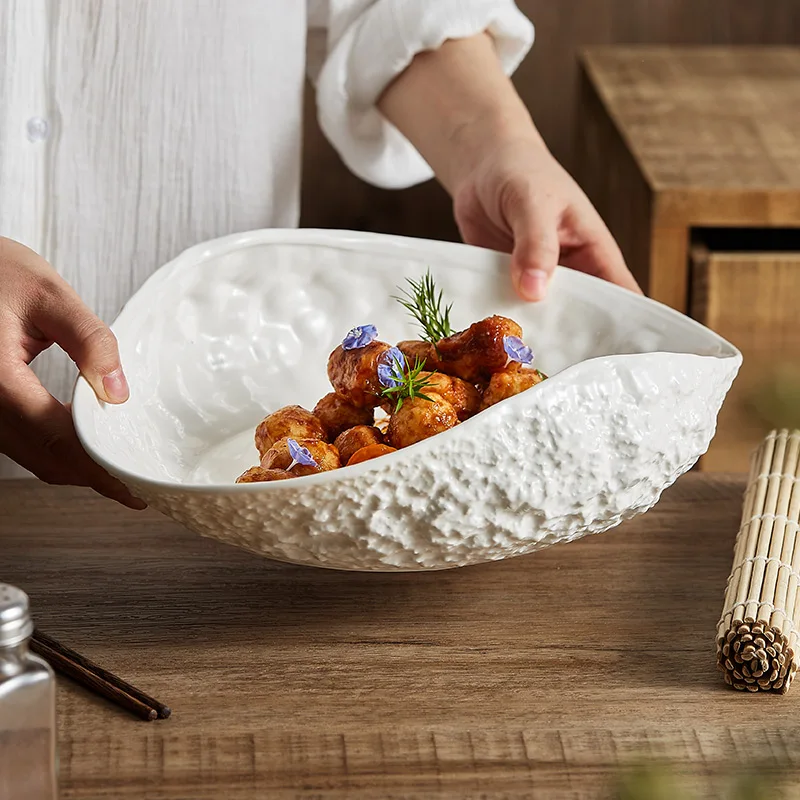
424, 303
407, 382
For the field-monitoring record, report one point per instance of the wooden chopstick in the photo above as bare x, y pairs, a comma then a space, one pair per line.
96, 679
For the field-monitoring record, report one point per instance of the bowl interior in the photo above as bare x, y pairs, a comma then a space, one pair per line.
240, 326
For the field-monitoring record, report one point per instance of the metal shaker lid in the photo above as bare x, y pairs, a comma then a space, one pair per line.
16, 624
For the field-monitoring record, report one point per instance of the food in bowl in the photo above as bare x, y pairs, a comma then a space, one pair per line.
244, 324
425, 387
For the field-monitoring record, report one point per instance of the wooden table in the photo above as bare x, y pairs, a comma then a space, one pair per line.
540, 677
692, 156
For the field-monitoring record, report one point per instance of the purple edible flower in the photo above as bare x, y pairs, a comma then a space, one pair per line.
360, 336
517, 350
391, 368
300, 455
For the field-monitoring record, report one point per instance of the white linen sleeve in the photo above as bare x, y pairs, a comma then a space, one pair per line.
357, 47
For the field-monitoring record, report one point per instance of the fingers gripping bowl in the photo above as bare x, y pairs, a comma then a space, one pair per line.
241, 326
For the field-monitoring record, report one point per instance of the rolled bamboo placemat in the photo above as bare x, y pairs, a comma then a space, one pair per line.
757, 635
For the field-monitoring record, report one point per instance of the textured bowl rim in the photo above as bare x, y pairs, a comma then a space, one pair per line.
474, 258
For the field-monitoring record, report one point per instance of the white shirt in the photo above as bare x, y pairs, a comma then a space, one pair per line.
132, 129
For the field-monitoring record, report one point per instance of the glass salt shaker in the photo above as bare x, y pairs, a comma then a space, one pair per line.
27, 707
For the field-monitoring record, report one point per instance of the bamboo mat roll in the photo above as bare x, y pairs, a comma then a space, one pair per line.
758, 632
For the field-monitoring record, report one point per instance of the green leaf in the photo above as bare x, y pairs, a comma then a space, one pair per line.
424, 303
411, 384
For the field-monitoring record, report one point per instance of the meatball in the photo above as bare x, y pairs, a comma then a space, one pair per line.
288, 422
418, 419
424, 351
463, 396
354, 373
369, 452
506, 384
261, 475
475, 354
356, 438
278, 457
337, 414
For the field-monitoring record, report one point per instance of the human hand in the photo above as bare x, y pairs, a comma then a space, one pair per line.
37, 309
460, 110
518, 199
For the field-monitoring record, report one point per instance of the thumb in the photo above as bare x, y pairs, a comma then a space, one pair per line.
535, 254
64, 318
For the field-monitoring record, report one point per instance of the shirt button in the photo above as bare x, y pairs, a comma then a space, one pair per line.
38, 129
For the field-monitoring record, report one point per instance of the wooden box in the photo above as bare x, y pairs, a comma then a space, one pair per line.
692, 156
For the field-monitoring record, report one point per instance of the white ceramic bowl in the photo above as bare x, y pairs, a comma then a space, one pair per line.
235, 328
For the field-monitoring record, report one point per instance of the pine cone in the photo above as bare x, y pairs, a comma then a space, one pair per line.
756, 658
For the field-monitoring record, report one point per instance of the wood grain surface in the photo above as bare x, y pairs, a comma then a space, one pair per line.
538, 677
706, 118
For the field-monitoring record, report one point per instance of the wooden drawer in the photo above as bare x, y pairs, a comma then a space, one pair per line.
753, 300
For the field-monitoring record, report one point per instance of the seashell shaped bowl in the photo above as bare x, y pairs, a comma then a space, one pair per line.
235, 328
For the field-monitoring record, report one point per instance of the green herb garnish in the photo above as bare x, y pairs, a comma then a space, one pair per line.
400, 381
424, 303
